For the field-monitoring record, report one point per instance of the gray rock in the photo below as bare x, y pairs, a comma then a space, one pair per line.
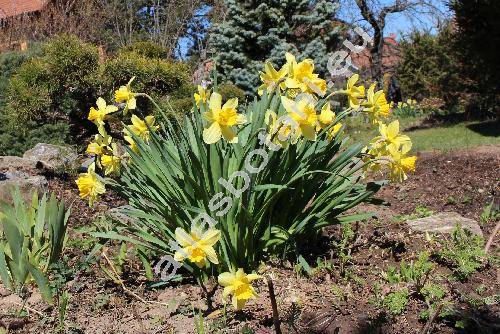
13, 164
53, 157
27, 185
444, 222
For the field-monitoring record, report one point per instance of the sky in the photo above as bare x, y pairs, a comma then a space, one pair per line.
399, 23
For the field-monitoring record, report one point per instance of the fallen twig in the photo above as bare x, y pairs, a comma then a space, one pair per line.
26, 307
491, 238
272, 296
125, 289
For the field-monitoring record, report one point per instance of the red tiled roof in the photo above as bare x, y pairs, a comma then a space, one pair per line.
390, 55
9, 8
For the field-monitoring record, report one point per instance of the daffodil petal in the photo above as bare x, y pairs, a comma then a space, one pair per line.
226, 279
212, 134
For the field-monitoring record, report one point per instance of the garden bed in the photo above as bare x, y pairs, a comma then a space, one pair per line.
325, 299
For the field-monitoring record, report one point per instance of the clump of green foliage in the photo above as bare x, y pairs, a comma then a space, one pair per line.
32, 239
429, 68
463, 252
13, 142
408, 109
61, 82
56, 85
413, 279
228, 91
490, 213
476, 43
433, 294
396, 301
416, 272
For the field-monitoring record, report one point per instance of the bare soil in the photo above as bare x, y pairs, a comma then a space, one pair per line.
328, 301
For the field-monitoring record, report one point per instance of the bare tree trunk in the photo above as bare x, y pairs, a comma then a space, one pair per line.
377, 22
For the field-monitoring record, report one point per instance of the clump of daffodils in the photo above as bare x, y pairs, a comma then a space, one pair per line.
307, 115
108, 153
391, 149
301, 109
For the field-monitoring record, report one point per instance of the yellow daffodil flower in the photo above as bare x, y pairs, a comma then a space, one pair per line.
376, 105
111, 162
238, 284
304, 114
124, 94
281, 132
271, 78
390, 136
354, 93
142, 128
197, 246
326, 117
98, 146
99, 115
131, 143
201, 96
222, 119
90, 185
400, 165
301, 76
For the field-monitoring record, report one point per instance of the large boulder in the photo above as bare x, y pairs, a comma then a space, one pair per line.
53, 158
26, 183
444, 222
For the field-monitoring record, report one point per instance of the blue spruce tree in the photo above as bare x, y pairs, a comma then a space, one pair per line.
254, 31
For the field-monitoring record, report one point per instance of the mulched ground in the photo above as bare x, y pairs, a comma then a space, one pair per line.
326, 302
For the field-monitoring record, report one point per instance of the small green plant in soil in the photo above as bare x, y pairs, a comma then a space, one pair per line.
421, 211
434, 294
395, 302
490, 213
343, 247
416, 273
463, 252
32, 239
409, 280
62, 310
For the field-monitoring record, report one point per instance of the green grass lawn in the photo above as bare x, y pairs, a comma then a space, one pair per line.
449, 137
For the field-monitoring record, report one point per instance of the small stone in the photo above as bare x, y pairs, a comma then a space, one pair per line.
444, 223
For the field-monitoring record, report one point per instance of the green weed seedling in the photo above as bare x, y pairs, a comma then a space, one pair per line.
394, 303
463, 252
451, 200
